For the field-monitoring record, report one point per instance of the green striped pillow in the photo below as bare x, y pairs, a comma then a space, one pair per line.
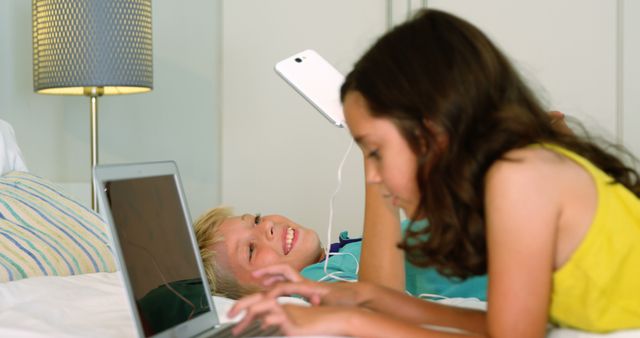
44, 232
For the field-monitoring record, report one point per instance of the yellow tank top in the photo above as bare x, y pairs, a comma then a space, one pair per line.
598, 289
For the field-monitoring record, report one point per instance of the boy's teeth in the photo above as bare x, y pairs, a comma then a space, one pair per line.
289, 238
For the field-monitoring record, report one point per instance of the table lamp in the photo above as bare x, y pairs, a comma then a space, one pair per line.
92, 48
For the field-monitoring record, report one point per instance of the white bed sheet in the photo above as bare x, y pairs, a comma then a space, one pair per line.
89, 305
95, 305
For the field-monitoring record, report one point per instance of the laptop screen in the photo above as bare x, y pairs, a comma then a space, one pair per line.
157, 251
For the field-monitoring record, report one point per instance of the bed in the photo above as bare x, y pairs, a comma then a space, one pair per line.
58, 277
85, 305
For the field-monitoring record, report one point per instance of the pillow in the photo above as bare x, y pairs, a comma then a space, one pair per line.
44, 232
10, 154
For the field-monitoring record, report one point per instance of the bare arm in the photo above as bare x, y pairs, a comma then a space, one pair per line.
416, 311
366, 298
381, 261
521, 242
371, 324
296, 320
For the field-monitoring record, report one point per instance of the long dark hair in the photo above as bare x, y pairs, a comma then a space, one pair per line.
439, 69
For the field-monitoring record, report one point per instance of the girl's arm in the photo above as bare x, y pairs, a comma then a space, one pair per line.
523, 200
354, 322
372, 324
381, 261
364, 297
417, 311
399, 318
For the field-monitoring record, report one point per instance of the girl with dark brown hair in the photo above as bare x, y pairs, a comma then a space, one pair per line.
451, 133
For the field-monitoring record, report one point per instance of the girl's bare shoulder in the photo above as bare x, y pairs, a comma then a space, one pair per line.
527, 164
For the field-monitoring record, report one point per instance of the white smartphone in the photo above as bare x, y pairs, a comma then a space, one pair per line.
317, 81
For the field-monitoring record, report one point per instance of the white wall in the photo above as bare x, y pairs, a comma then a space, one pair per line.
567, 54
631, 75
178, 120
584, 62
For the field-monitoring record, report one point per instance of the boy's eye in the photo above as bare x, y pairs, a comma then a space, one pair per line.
252, 248
257, 219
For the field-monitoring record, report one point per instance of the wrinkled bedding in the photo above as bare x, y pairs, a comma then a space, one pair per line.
95, 305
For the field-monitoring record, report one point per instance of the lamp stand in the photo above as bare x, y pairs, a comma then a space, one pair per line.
94, 93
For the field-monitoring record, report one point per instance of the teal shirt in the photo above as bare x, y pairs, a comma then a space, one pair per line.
344, 265
419, 281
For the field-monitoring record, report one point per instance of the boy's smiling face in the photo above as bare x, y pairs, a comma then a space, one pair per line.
251, 242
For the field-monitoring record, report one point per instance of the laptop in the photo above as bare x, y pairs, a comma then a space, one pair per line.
157, 252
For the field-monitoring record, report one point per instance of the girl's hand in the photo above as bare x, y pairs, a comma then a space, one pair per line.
342, 294
294, 320
258, 301
256, 305
277, 273
330, 294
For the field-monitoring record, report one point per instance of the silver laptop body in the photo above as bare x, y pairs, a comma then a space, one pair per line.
157, 251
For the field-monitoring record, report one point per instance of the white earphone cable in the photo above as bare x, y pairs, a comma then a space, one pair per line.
333, 275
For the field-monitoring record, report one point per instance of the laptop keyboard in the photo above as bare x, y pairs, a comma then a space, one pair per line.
253, 330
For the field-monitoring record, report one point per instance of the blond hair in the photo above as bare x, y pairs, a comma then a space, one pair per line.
221, 281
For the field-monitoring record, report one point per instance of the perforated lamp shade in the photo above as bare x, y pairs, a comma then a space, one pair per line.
92, 48
83, 44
